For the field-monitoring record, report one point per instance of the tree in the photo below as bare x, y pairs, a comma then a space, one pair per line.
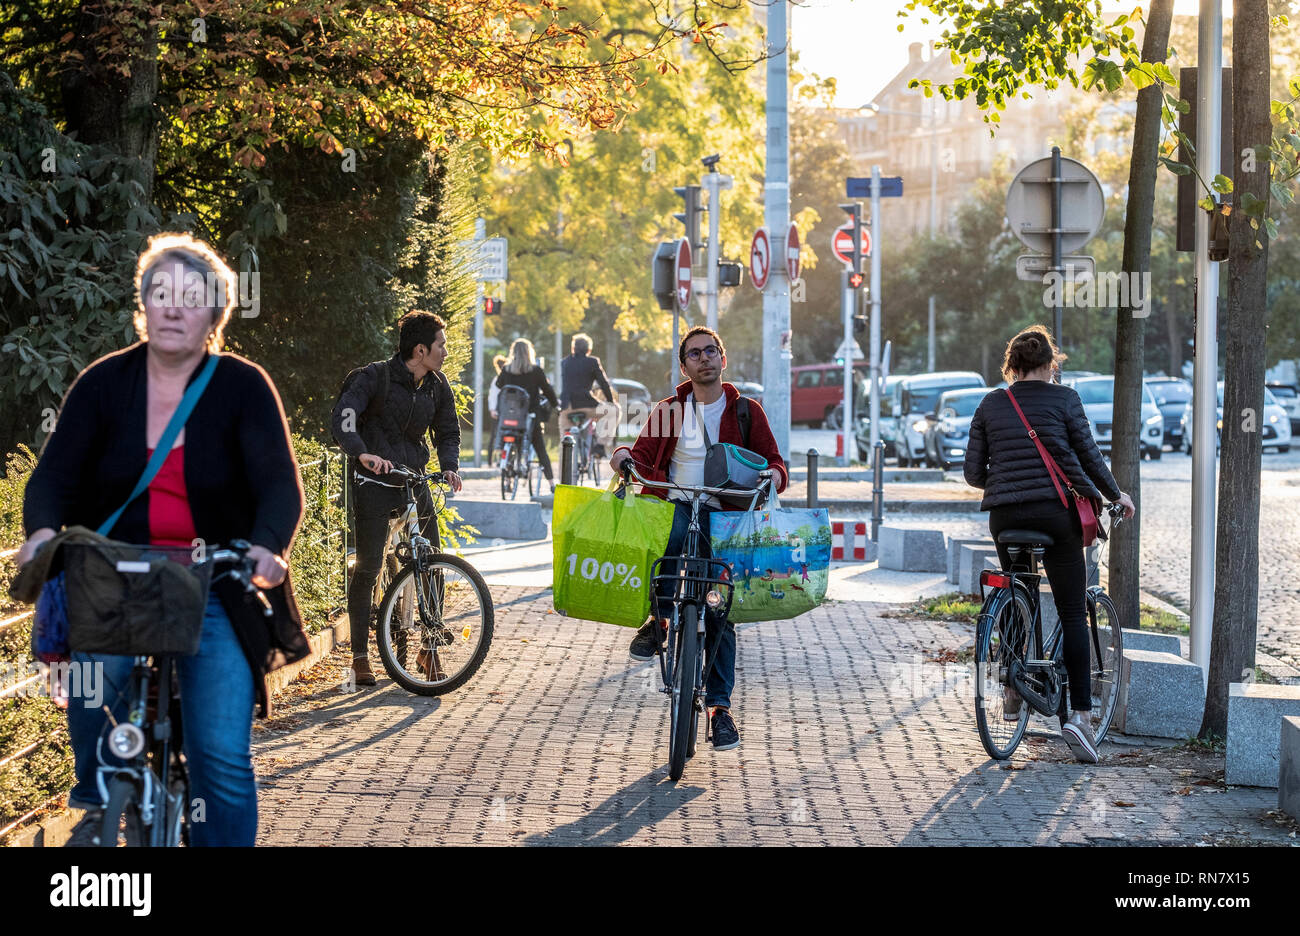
1236, 574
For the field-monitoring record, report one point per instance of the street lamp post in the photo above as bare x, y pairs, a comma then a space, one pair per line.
873, 109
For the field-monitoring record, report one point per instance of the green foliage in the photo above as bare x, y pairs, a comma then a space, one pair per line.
951, 607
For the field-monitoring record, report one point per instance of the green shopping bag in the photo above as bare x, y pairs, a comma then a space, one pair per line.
603, 546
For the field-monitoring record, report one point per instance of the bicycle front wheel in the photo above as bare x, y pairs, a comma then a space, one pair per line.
681, 718
435, 625
1107, 636
122, 815
1001, 638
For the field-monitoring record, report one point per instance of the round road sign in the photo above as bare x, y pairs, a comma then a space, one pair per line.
1029, 205
683, 274
842, 243
760, 258
792, 266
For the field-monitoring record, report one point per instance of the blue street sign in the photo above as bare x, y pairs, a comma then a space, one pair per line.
890, 187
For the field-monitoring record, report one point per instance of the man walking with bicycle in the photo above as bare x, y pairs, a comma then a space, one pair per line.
672, 447
380, 421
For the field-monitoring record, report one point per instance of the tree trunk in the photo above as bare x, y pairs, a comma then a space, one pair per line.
1236, 566
105, 107
1126, 451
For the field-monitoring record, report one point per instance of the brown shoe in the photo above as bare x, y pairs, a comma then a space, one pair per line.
430, 666
361, 670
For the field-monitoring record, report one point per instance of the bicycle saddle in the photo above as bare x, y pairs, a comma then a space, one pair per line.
1024, 538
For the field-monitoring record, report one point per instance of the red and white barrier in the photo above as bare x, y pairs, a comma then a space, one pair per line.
848, 539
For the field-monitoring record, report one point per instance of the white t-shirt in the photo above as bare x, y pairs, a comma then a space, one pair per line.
687, 466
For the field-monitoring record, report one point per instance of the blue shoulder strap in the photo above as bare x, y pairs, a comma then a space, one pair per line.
164, 447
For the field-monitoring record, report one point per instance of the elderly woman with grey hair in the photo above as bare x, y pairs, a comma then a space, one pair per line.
230, 474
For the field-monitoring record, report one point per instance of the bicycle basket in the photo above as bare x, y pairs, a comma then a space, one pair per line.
135, 600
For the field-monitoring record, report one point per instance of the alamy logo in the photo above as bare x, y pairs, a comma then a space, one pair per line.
1106, 290
105, 889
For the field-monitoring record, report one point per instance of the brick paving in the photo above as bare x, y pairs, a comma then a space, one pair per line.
848, 737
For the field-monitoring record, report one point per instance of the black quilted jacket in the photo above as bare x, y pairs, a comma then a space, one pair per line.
1003, 460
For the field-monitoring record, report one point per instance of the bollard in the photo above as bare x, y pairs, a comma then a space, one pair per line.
812, 477
566, 459
877, 492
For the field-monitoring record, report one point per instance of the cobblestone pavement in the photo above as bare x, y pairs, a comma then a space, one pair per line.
849, 737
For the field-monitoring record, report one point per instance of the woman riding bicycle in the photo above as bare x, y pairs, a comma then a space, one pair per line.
230, 475
1019, 493
522, 371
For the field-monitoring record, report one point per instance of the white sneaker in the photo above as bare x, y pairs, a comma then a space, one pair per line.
1078, 735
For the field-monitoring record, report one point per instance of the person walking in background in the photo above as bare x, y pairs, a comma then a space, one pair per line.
523, 371
380, 420
578, 372
1019, 493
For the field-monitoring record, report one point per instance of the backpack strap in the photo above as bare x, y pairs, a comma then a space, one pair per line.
742, 417
380, 396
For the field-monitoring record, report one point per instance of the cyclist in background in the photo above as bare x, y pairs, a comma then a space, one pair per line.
671, 447
522, 370
578, 372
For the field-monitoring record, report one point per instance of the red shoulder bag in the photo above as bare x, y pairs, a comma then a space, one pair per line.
1084, 506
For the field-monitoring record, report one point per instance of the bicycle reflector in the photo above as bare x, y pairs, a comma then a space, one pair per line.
126, 740
994, 579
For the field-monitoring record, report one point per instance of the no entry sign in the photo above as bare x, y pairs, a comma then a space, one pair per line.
792, 266
760, 258
683, 274
842, 244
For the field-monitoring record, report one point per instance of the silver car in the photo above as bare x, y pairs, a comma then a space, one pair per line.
1098, 397
1274, 427
949, 432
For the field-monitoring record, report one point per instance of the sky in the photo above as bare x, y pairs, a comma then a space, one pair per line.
857, 41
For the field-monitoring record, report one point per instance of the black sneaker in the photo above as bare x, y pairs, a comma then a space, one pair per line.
649, 638
725, 735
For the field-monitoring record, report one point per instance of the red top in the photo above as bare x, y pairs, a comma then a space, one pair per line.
170, 520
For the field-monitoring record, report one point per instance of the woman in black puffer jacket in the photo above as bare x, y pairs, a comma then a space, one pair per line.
1019, 493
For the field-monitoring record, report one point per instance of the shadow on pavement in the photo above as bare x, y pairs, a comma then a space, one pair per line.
639, 805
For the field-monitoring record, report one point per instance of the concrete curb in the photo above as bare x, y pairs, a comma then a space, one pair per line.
54, 830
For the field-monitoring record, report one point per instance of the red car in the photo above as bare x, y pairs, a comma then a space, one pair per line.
816, 391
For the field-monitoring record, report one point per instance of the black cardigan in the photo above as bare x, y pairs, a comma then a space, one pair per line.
240, 477
1003, 460
240, 474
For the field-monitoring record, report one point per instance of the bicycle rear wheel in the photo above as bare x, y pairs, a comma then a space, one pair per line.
1001, 638
682, 715
1106, 634
435, 628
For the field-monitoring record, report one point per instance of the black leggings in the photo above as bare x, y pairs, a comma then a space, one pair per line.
1066, 572
539, 447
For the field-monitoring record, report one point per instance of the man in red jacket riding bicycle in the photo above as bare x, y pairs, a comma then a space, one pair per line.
671, 447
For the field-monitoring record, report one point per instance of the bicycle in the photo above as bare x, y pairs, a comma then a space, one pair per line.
1009, 649
145, 799
698, 585
434, 621
516, 445
582, 426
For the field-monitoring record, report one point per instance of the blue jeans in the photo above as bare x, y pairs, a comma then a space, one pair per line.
721, 677
216, 686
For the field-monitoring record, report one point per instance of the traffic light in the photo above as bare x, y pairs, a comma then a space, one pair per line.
492, 306
854, 211
855, 280
663, 279
859, 324
729, 274
690, 214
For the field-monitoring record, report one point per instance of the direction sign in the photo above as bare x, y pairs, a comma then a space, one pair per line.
792, 265
1029, 205
890, 187
842, 243
683, 274
760, 258
492, 260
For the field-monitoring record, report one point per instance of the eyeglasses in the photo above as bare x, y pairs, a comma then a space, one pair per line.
709, 353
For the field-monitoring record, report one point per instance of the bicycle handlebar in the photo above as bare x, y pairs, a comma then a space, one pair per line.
629, 472
241, 568
416, 477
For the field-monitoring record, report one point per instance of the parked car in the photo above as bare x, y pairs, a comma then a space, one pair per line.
916, 396
1098, 397
635, 402
1274, 425
862, 412
1068, 377
1172, 394
1289, 397
816, 391
750, 389
949, 432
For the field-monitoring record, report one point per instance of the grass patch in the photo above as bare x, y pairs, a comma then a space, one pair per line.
1267, 678
953, 606
1163, 622
1211, 745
